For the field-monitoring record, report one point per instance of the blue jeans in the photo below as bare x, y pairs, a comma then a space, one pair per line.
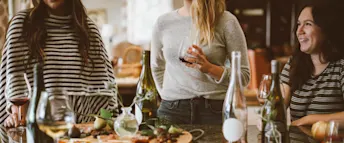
192, 111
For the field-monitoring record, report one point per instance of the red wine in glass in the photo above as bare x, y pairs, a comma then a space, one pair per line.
183, 60
19, 101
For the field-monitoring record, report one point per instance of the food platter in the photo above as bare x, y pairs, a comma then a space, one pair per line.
186, 137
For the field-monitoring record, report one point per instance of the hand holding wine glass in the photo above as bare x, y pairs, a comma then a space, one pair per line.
17, 92
182, 53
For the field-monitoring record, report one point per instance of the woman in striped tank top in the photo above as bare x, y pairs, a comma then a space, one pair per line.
314, 77
59, 34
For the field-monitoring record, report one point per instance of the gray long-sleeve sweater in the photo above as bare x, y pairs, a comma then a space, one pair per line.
173, 79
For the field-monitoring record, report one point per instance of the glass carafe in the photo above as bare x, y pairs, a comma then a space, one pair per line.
126, 123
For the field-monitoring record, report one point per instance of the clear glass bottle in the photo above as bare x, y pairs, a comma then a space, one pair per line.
234, 107
273, 135
146, 92
126, 123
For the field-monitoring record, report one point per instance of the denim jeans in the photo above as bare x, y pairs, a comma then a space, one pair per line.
192, 111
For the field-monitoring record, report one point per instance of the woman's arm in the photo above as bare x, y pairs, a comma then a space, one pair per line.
157, 58
108, 69
234, 40
285, 89
311, 119
13, 54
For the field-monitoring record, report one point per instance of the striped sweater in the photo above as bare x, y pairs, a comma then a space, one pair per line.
62, 64
321, 94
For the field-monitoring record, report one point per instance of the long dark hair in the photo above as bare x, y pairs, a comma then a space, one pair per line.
35, 30
327, 15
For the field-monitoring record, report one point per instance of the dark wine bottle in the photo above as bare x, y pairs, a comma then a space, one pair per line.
33, 134
146, 90
275, 109
234, 107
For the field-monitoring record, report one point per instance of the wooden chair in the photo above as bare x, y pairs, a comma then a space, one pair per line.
127, 60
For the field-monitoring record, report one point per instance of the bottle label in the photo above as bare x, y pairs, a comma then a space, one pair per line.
149, 95
232, 129
138, 114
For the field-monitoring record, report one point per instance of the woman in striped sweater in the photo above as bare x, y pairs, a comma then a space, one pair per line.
58, 34
314, 77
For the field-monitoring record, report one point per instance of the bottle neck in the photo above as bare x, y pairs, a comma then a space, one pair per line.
235, 69
126, 110
275, 75
146, 61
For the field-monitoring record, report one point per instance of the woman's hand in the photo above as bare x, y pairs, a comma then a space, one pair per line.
199, 61
12, 121
305, 130
310, 119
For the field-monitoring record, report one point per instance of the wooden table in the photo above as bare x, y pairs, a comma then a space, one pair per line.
213, 134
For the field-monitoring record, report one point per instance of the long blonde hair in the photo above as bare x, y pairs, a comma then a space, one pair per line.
205, 15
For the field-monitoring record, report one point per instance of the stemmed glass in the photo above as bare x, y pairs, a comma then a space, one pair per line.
262, 94
18, 92
264, 88
183, 48
54, 115
335, 131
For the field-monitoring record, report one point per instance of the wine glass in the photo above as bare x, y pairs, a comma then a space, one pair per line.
264, 88
54, 115
335, 131
18, 92
183, 48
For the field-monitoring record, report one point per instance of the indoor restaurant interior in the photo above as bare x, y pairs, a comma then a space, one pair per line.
171, 71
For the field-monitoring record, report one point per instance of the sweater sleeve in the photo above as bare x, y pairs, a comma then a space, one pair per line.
284, 76
235, 41
3, 71
157, 58
108, 69
13, 57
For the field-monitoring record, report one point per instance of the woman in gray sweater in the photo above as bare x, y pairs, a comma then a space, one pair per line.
194, 92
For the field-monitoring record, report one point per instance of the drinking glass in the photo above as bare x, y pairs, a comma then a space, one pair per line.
18, 92
183, 48
334, 132
54, 115
264, 88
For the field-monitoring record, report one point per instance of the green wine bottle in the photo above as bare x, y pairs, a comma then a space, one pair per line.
146, 92
33, 133
275, 110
